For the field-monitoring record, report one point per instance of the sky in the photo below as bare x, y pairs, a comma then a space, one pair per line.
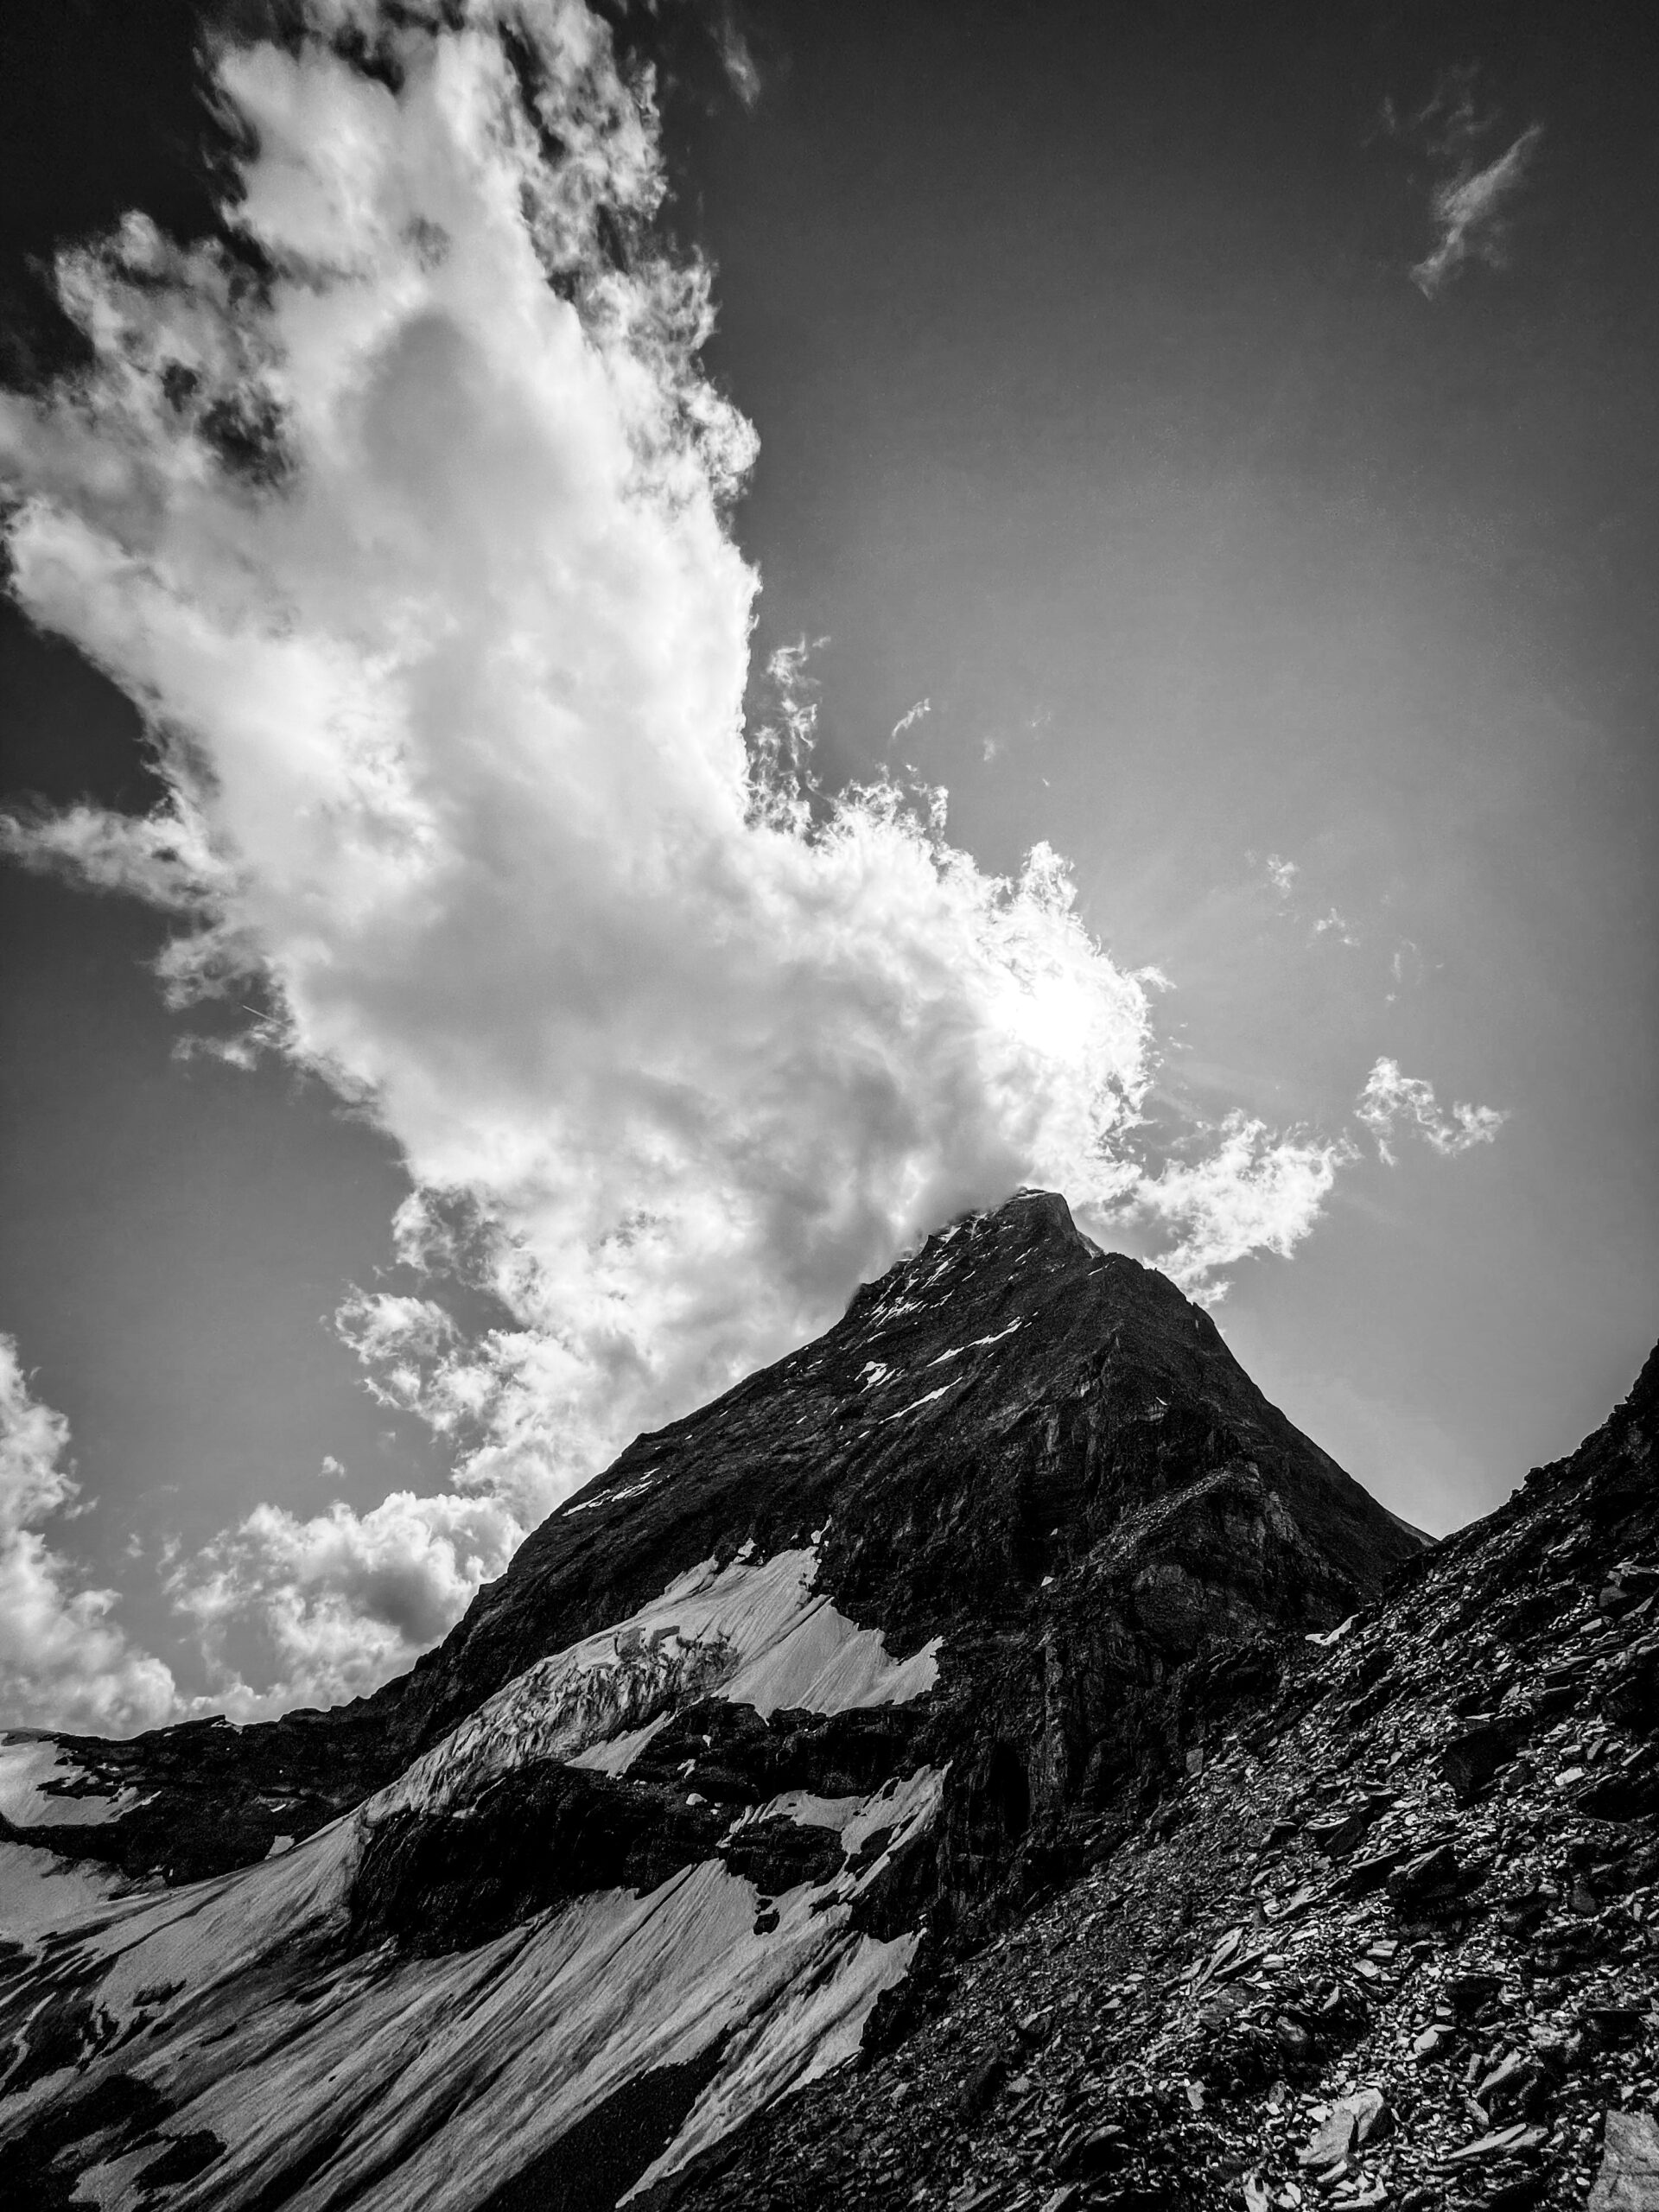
619, 693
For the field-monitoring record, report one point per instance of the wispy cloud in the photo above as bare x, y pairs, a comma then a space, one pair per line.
1253, 1192
63, 1660
1391, 1100
909, 719
737, 56
1468, 209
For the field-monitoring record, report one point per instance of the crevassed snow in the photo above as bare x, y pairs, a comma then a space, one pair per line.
27, 1763
754, 1632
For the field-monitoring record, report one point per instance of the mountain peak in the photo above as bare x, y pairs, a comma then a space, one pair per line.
803, 1691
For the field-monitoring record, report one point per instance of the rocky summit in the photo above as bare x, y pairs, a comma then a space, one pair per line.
989, 1759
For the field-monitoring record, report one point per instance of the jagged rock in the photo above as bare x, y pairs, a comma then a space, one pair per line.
1471, 1759
1347, 2124
1433, 1878
983, 2085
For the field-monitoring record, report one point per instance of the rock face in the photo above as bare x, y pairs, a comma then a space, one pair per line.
760, 1737
1352, 1961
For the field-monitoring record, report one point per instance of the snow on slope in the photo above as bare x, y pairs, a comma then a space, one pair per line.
28, 1762
422, 2084
752, 1632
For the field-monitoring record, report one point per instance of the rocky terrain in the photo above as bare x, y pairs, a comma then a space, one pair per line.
1393, 1939
990, 1758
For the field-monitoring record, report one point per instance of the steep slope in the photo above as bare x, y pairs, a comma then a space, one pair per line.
1395, 1942
799, 1695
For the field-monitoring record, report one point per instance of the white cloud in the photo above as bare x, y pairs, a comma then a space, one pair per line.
911, 716
63, 1663
1390, 1100
166, 858
416, 558
1281, 873
1253, 1192
1468, 210
736, 55
333, 1605
1333, 924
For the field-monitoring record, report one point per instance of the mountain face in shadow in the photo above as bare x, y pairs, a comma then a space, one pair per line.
799, 1704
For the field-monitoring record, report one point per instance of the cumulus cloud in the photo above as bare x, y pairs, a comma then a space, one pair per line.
329, 1607
1468, 211
1390, 1100
63, 1661
1251, 1193
401, 513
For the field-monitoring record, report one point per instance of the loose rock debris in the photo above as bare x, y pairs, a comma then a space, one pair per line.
1393, 1943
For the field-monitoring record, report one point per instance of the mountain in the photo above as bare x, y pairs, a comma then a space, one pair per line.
1395, 1941
804, 1738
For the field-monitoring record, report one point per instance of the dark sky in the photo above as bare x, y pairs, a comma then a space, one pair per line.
1097, 407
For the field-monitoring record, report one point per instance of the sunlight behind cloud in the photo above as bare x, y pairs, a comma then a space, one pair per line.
408, 536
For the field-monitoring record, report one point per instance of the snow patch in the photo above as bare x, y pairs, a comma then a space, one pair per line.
915, 1405
40, 1893
28, 1763
614, 1496
754, 1632
997, 1337
423, 2085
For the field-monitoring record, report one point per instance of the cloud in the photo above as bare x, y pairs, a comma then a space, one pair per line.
909, 719
1336, 925
402, 515
736, 55
63, 1663
1253, 1192
327, 1608
1281, 873
165, 858
1390, 1100
1467, 208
